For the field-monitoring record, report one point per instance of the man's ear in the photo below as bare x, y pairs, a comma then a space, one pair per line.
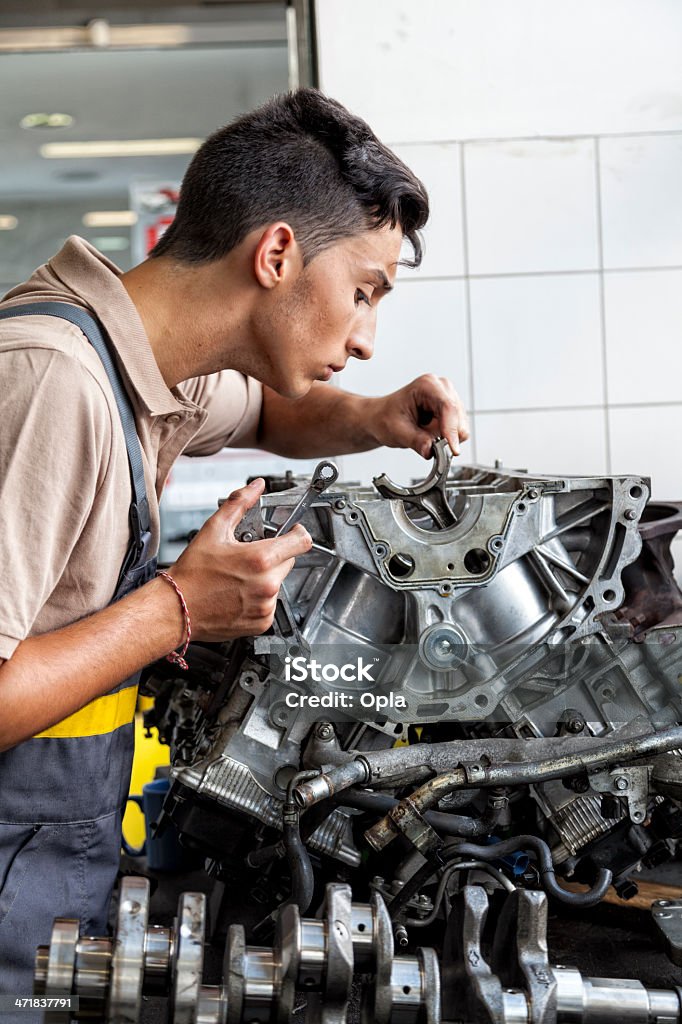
277, 255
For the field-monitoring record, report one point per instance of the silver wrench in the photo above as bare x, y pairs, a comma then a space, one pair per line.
324, 475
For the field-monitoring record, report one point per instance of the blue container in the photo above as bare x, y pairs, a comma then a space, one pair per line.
164, 852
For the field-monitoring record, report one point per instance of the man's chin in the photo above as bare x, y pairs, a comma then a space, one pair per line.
295, 391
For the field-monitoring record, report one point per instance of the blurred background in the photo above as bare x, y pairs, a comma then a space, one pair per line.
549, 136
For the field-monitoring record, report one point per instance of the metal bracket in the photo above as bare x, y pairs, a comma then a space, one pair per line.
407, 819
631, 783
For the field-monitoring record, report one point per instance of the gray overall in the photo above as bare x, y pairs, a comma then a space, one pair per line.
62, 799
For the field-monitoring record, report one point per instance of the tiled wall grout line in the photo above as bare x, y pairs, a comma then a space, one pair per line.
661, 268
602, 302
467, 297
575, 137
578, 408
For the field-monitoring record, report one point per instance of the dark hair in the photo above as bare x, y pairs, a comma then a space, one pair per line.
303, 158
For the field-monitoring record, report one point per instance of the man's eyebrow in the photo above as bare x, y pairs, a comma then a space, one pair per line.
380, 278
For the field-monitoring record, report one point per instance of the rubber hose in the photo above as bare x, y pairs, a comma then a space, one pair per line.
448, 824
545, 865
298, 859
494, 852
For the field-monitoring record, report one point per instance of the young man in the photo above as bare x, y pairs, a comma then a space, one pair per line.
287, 236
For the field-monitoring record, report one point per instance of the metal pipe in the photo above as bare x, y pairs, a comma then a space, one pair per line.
326, 784
574, 754
465, 865
384, 831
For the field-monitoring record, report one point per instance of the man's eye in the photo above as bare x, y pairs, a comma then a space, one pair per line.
361, 297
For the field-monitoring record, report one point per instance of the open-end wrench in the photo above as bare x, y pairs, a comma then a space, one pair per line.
325, 474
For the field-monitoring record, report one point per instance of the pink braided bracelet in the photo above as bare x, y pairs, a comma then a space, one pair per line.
177, 657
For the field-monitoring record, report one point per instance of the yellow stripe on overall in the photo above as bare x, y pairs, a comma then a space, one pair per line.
100, 716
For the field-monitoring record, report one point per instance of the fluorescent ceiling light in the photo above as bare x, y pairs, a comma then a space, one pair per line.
119, 147
7, 222
43, 120
110, 219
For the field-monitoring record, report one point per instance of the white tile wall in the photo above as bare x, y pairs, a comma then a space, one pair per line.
421, 328
457, 69
569, 121
438, 166
646, 440
642, 200
554, 442
643, 316
533, 339
531, 206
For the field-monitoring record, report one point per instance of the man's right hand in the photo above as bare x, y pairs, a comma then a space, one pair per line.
231, 587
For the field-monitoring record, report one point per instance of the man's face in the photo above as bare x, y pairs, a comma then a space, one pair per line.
327, 314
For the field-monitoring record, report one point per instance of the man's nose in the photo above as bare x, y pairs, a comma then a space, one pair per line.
360, 344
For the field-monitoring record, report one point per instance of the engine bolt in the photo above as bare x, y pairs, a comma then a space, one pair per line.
533, 493
339, 504
247, 536
621, 783
575, 724
630, 513
324, 731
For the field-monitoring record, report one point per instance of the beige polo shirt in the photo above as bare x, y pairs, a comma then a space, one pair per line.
64, 479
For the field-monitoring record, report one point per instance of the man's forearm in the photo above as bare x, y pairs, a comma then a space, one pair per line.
327, 421
230, 589
51, 676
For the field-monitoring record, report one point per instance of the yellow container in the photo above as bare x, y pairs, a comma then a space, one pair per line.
149, 755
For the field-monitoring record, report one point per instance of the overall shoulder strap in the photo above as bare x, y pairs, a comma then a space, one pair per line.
93, 331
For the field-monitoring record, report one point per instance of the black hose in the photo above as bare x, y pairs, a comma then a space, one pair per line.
265, 855
298, 859
494, 852
448, 824
545, 867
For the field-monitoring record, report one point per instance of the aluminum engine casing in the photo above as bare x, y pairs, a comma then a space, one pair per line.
514, 590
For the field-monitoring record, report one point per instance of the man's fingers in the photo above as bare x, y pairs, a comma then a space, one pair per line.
232, 510
421, 442
449, 425
296, 542
272, 552
452, 417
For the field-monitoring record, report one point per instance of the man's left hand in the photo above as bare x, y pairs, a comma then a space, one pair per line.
417, 414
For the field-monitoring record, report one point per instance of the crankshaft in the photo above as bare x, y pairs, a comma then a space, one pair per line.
350, 948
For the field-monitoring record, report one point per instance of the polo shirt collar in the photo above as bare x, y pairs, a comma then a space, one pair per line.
96, 281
